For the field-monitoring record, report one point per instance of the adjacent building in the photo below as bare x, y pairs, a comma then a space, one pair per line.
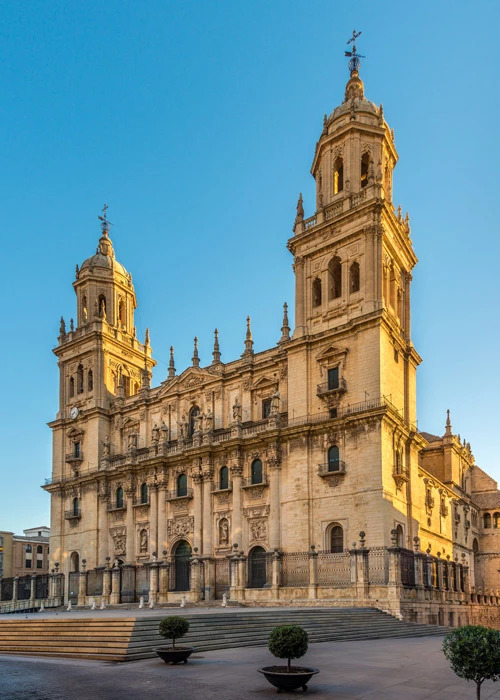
21, 555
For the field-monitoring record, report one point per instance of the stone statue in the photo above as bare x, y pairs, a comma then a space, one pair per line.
223, 532
209, 421
183, 428
198, 423
237, 411
143, 542
132, 441
106, 446
155, 433
275, 403
164, 431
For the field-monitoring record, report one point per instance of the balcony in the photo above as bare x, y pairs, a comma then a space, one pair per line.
74, 458
333, 472
114, 508
72, 514
400, 475
175, 495
217, 489
328, 389
248, 483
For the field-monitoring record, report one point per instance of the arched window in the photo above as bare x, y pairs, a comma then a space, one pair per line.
74, 562
28, 549
486, 520
496, 520
336, 539
354, 278
224, 478
39, 549
125, 379
84, 309
193, 414
338, 175
102, 306
79, 379
256, 472
119, 497
316, 292
365, 165
90, 380
76, 506
182, 485
71, 387
475, 546
333, 459
400, 536
121, 313
334, 278
144, 493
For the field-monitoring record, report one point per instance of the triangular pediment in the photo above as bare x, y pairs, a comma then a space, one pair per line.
191, 378
264, 382
331, 352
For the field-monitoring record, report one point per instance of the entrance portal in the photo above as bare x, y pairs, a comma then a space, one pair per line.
182, 556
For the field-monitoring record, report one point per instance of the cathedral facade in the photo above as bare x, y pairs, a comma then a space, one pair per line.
307, 444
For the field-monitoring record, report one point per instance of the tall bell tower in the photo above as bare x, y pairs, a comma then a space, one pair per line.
100, 358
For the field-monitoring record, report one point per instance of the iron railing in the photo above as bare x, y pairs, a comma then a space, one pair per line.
327, 388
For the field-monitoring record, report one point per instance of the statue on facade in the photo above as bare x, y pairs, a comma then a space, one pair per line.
183, 428
132, 441
223, 532
198, 423
237, 411
106, 446
275, 403
143, 542
155, 433
209, 421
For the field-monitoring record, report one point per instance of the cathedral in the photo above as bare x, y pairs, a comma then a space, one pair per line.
282, 460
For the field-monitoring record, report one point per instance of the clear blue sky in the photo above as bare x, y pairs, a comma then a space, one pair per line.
196, 122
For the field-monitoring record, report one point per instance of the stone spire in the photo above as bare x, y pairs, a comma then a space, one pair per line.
216, 352
195, 358
248, 341
146, 339
300, 210
285, 328
171, 365
448, 423
62, 327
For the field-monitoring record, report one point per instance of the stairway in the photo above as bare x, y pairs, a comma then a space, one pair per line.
130, 639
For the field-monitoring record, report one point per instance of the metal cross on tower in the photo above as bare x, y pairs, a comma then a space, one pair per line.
105, 224
354, 56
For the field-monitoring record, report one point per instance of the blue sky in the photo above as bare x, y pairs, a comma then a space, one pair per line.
196, 122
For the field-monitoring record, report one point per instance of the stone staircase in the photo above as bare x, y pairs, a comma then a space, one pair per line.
130, 639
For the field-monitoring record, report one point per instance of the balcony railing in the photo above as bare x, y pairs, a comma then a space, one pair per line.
327, 388
216, 488
331, 468
247, 483
174, 495
73, 458
113, 506
73, 514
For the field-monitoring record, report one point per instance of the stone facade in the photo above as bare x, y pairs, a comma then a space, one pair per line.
307, 443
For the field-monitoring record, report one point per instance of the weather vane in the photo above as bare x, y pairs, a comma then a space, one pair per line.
105, 224
354, 56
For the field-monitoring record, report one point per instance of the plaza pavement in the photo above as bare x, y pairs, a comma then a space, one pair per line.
388, 669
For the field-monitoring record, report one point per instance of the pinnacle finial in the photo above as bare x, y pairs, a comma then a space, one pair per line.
248, 340
62, 327
146, 338
195, 358
448, 423
300, 209
216, 352
285, 328
171, 364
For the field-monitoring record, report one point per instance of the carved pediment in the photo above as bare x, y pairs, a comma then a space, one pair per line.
332, 353
191, 378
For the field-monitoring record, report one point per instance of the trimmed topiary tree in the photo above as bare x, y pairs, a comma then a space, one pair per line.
288, 642
173, 628
474, 654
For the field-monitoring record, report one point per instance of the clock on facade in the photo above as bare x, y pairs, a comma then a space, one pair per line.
74, 412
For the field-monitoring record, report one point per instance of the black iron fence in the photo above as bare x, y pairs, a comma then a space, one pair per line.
7, 588
334, 569
295, 569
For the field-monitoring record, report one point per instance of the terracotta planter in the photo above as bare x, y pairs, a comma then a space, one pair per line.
279, 676
174, 656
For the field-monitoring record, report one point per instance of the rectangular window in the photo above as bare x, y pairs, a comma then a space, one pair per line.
28, 563
77, 449
266, 408
333, 378
39, 564
333, 413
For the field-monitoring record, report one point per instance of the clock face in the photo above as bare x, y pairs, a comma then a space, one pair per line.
74, 412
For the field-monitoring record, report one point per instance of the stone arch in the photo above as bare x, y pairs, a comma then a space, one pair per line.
74, 562
334, 278
335, 538
257, 567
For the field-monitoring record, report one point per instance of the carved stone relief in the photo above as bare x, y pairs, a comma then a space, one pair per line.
177, 527
258, 529
119, 536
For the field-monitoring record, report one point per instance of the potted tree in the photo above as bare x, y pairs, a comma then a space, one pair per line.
288, 642
474, 654
173, 628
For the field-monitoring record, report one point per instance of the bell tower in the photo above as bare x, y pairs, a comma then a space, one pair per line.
100, 358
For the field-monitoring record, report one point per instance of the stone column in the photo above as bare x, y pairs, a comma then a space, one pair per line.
106, 582
103, 528
300, 302
207, 514
233, 574
130, 548
82, 584
209, 564
163, 579
115, 586
15, 589
162, 519
274, 502
313, 573
32, 588
362, 577
242, 575
467, 586
197, 510
440, 577
276, 573
236, 534
195, 580
153, 581
153, 519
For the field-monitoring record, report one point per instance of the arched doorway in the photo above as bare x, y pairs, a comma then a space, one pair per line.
182, 556
257, 577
